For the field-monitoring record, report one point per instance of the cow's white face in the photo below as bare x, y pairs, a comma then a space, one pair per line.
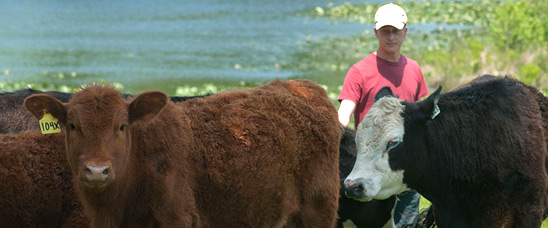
381, 130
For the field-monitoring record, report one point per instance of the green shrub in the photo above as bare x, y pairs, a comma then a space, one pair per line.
517, 26
529, 73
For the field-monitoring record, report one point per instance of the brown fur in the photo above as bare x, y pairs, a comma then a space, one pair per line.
35, 183
263, 157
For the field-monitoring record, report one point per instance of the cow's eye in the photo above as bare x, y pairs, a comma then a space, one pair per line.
123, 127
392, 143
72, 127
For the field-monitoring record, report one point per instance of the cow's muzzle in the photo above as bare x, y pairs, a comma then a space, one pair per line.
360, 189
96, 176
96, 173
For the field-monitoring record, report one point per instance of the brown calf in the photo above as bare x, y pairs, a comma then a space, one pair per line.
262, 157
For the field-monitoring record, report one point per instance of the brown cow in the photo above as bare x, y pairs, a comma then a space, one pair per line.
34, 191
262, 157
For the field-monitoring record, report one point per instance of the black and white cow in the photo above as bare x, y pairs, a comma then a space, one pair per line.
477, 153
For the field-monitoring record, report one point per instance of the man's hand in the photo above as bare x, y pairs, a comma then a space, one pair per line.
345, 112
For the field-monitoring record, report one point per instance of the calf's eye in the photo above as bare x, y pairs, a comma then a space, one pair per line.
122, 127
72, 127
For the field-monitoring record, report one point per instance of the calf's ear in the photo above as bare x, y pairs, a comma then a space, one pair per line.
429, 107
37, 104
384, 92
146, 106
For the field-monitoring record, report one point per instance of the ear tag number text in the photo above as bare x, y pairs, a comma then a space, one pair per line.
49, 124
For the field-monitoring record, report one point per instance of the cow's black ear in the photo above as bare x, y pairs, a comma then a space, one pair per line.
429, 107
385, 91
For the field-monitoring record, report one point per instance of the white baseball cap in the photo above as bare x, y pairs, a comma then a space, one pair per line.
390, 14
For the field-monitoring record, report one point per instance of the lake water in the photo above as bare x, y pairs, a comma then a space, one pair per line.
148, 44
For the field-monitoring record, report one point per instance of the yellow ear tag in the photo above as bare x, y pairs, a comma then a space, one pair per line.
49, 124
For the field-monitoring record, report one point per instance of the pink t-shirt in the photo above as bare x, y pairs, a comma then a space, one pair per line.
365, 78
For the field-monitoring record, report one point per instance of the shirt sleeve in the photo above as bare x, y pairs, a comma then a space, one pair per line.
352, 87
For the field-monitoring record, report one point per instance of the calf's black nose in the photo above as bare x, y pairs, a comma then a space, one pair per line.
354, 188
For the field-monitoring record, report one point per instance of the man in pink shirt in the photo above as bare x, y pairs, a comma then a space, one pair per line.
385, 67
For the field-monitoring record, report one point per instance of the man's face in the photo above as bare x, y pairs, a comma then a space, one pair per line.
390, 38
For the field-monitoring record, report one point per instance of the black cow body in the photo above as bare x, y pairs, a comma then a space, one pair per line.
490, 141
481, 161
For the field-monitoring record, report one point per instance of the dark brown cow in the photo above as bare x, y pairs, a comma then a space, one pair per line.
34, 191
15, 118
263, 157
478, 153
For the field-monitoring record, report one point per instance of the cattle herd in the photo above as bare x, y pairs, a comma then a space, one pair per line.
273, 156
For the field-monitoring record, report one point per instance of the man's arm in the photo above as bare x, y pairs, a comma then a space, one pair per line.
345, 112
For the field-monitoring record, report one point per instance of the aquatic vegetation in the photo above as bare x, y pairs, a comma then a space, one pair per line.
475, 13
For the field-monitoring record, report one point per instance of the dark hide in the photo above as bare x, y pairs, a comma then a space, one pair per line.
482, 160
384, 92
